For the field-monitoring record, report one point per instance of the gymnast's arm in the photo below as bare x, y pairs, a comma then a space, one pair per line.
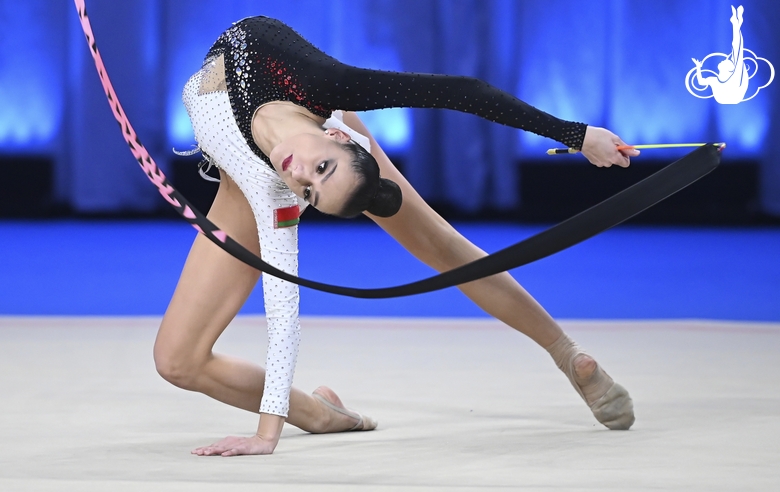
278, 247
699, 78
329, 84
357, 89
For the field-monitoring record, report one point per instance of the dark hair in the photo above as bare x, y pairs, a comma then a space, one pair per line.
374, 194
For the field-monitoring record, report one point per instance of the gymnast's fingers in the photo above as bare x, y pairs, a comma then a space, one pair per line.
218, 447
623, 157
235, 446
626, 152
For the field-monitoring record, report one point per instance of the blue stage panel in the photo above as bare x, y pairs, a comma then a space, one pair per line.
131, 268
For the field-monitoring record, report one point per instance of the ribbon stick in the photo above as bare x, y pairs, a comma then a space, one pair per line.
720, 145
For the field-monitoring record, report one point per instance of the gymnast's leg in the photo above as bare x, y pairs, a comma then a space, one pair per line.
435, 242
212, 288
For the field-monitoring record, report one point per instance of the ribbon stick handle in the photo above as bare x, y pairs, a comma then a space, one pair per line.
562, 151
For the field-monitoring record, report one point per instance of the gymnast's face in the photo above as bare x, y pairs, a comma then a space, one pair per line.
317, 169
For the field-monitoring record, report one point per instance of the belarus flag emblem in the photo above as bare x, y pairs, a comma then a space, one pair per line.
286, 217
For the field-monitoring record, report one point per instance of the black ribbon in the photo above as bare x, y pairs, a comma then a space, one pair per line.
595, 220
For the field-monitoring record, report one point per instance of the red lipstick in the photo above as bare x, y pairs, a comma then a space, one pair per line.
286, 163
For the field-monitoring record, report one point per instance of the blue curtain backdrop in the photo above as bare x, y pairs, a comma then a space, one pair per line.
614, 63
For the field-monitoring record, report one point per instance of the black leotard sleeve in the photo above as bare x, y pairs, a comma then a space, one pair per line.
357, 89
266, 60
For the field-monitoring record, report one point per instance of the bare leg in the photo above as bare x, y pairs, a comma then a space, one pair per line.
736, 35
436, 243
212, 288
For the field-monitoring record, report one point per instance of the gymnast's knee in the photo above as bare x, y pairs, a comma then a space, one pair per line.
177, 367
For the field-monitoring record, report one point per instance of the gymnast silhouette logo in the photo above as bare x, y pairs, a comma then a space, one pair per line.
735, 70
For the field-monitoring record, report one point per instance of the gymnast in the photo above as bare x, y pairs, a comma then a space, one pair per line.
275, 116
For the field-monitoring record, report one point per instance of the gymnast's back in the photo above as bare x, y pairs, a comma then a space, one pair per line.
265, 60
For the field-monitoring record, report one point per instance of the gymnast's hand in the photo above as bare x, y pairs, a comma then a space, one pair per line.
599, 147
235, 446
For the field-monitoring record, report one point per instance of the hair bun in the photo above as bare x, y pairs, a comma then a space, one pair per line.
387, 200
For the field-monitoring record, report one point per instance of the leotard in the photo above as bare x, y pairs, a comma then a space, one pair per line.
260, 60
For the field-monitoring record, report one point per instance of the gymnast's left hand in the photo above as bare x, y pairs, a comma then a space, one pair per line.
235, 446
600, 148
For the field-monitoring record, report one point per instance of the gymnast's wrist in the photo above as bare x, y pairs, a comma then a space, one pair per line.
573, 135
270, 427
570, 133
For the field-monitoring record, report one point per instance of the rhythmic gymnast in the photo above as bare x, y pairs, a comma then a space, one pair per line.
266, 108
